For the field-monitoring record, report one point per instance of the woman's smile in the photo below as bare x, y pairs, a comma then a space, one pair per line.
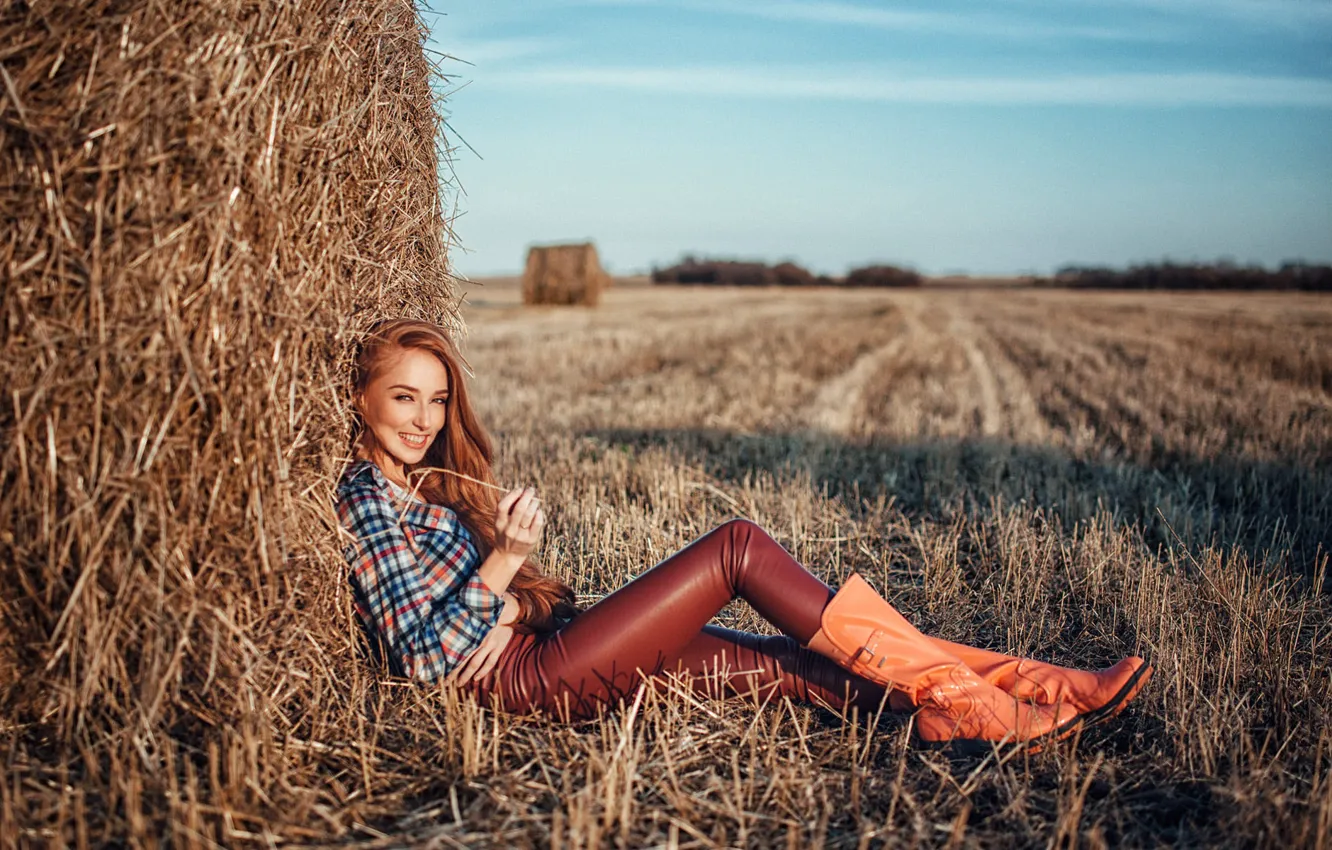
416, 441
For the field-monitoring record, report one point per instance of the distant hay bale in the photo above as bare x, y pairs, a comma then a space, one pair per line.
203, 203
563, 274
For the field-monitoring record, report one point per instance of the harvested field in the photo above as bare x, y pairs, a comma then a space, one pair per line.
1075, 476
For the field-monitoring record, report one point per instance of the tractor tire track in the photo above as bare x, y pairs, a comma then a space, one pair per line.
840, 402
1023, 420
990, 411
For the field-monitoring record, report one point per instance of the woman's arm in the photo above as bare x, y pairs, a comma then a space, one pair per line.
512, 610
498, 570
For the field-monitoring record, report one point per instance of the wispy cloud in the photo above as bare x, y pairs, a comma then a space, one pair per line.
833, 13
1161, 90
1265, 13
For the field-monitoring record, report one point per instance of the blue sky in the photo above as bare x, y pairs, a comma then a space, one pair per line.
983, 137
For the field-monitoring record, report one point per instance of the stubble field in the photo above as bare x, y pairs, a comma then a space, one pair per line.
1070, 476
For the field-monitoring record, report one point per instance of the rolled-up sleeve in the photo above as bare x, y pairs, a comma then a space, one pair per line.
481, 600
418, 586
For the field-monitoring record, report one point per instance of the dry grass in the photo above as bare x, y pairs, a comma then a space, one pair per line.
1069, 476
203, 202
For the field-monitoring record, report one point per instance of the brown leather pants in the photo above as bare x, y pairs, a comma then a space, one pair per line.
657, 624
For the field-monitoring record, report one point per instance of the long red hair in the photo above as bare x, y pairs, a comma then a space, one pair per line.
463, 446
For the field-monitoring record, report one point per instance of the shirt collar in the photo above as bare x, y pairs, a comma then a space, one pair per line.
359, 467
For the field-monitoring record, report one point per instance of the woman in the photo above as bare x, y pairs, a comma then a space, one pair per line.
444, 581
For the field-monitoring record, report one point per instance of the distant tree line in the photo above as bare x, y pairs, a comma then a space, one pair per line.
745, 273
1221, 275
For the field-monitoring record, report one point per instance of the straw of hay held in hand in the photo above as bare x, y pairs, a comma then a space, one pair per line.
563, 274
203, 204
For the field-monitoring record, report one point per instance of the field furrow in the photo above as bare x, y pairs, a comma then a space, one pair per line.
838, 406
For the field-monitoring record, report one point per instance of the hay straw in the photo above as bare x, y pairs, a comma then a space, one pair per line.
456, 475
203, 204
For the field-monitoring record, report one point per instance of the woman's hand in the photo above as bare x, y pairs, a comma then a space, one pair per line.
484, 658
518, 523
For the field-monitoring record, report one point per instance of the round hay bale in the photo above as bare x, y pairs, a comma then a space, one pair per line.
203, 202
563, 274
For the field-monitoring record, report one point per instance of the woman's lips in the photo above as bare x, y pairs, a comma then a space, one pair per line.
416, 441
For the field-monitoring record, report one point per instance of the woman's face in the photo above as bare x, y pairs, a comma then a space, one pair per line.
404, 405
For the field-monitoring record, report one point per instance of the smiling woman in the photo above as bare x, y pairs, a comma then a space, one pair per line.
405, 408
413, 413
432, 582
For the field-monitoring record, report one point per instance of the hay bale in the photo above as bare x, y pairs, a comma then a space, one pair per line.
202, 202
563, 274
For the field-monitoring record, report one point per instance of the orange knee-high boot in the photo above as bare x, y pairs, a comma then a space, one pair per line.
1096, 694
860, 630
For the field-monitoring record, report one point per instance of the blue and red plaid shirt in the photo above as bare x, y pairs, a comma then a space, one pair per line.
413, 575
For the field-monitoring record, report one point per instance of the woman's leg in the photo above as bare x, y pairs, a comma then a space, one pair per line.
722, 663
606, 651
647, 624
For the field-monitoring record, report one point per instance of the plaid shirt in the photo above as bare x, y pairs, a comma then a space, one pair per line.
413, 575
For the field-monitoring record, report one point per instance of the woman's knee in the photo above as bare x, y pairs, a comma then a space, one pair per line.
744, 543
741, 528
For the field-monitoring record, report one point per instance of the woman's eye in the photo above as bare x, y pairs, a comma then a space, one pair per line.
403, 397
442, 400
